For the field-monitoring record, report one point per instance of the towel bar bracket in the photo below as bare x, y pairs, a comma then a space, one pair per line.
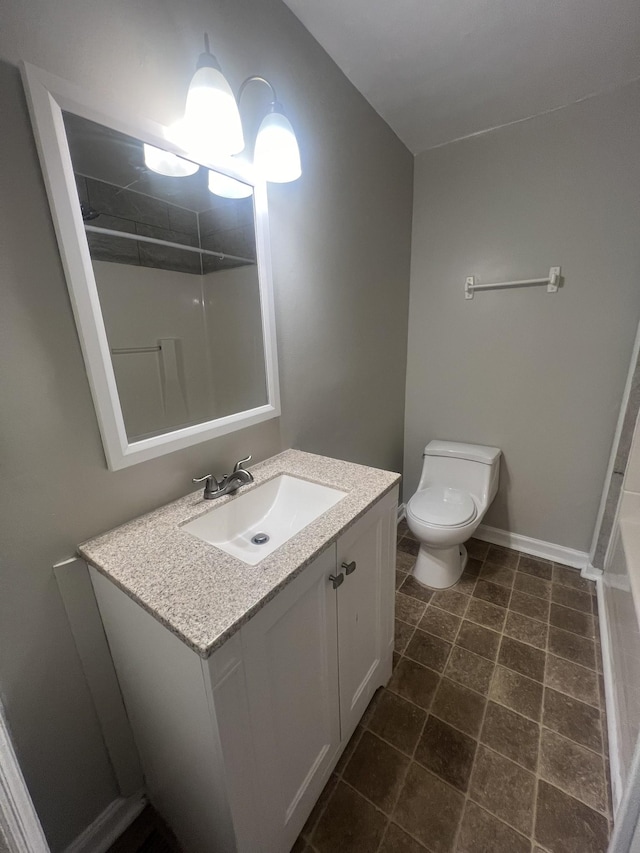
554, 280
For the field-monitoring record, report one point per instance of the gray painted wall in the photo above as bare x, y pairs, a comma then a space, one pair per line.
341, 242
539, 375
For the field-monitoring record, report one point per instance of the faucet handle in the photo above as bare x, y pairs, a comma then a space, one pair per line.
238, 466
209, 479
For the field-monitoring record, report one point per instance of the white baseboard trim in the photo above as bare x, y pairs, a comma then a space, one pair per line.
610, 699
109, 825
534, 547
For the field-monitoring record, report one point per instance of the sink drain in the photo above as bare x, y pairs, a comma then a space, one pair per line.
260, 539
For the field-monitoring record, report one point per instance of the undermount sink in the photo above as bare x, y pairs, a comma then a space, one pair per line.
254, 524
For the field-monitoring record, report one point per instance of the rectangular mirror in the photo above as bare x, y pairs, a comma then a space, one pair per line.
170, 282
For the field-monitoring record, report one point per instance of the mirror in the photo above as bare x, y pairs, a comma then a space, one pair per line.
183, 324
170, 282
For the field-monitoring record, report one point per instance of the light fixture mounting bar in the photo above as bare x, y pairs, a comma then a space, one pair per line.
207, 59
257, 79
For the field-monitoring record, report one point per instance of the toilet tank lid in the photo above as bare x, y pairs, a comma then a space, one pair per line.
472, 452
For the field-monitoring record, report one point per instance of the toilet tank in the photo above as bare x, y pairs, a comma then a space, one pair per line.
471, 467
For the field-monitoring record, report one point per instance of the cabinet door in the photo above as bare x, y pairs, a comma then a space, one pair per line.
291, 664
366, 557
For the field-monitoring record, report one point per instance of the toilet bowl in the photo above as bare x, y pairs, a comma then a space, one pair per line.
457, 485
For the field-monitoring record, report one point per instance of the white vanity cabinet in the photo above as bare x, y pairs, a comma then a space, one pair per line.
236, 748
366, 553
314, 657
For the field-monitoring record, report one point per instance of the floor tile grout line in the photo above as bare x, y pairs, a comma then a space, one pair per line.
507, 608
539, 724
564, 692
522, 834
412, 757
602, 753
572, 797
560, 787
467, 798
539, 757
468, 795
339, 778
605, 750
503, 635
350, 785
514, 762
571, 740
406, 831
497, 661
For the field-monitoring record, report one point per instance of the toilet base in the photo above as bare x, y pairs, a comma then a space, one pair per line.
440, 568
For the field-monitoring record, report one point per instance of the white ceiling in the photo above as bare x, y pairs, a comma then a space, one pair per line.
437, 70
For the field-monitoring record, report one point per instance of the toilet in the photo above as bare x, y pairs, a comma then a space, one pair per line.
456, 488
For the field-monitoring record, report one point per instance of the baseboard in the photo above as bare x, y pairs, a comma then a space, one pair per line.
610, 699
109, 825
534, 547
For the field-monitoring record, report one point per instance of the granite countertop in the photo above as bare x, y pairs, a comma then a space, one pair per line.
201, 593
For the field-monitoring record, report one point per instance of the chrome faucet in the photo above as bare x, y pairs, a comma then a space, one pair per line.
230, 483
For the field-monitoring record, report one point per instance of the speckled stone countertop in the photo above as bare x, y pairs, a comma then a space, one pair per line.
201, 593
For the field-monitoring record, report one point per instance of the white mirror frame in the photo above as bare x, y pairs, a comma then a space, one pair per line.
48, 96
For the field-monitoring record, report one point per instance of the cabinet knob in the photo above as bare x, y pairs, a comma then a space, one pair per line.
336, 580
349, 567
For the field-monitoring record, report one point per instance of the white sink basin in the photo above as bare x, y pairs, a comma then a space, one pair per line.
279, 509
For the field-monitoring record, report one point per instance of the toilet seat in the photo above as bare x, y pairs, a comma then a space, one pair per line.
442, 506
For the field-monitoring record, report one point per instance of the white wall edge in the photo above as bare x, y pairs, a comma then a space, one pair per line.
591, 573
610, 699
80, 604
19, 823
534, 547
614, 445
109, 825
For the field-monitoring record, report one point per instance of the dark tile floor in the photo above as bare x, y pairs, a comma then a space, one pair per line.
491, 736
147, 834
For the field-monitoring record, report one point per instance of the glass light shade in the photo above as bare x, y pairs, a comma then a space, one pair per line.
211, 117
277, 156
166, 163
228, 187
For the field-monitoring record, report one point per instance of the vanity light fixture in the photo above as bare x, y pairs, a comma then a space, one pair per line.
166, 163
211, 117
212, 127
228, 187
276, 156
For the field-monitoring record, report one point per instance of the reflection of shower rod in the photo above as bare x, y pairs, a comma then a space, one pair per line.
109, 232
129, 350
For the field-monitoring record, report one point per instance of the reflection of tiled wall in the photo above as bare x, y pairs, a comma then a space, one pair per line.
227, 228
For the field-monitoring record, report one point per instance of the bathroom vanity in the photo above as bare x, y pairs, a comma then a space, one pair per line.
243, 683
